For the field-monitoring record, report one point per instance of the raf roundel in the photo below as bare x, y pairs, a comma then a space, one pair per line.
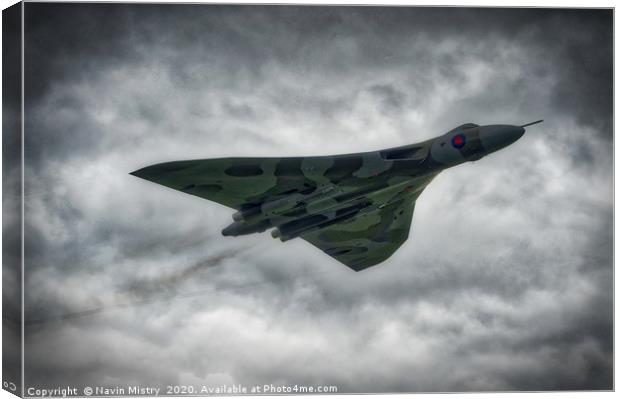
458, 141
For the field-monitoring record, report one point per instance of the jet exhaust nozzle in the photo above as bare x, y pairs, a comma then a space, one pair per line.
237, 216
242, 228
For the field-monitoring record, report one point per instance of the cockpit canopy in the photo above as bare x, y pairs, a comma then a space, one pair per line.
468, 126
463, 128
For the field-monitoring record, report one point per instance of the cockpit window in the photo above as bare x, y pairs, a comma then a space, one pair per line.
469, 126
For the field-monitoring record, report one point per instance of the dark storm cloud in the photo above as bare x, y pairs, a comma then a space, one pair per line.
75, 42
505, 283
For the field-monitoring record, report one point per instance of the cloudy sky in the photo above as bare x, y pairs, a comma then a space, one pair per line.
504, 284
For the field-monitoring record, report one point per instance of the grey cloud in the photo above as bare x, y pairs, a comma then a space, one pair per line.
391, 99
504, 283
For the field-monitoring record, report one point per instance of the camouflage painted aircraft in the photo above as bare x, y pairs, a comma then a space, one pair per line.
356, 208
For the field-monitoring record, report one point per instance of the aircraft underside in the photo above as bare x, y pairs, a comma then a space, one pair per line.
357, 209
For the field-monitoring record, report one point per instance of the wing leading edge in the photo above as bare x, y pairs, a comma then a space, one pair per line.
233, 182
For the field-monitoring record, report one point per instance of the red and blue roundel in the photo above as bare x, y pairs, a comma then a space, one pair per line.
458, 141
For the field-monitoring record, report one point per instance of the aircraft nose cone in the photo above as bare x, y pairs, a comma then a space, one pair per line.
496, 137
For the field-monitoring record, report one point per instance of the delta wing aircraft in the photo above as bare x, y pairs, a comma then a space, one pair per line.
356, 208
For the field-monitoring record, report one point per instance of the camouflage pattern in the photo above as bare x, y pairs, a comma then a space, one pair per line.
356, 208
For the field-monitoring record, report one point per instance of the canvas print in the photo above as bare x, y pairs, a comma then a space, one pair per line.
291, 199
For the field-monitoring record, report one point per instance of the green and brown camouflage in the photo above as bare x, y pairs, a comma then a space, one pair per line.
356, 208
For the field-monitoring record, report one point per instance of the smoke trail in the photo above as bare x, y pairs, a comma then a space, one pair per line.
150, 291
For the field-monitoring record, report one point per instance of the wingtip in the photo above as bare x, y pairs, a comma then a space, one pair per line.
138, 173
